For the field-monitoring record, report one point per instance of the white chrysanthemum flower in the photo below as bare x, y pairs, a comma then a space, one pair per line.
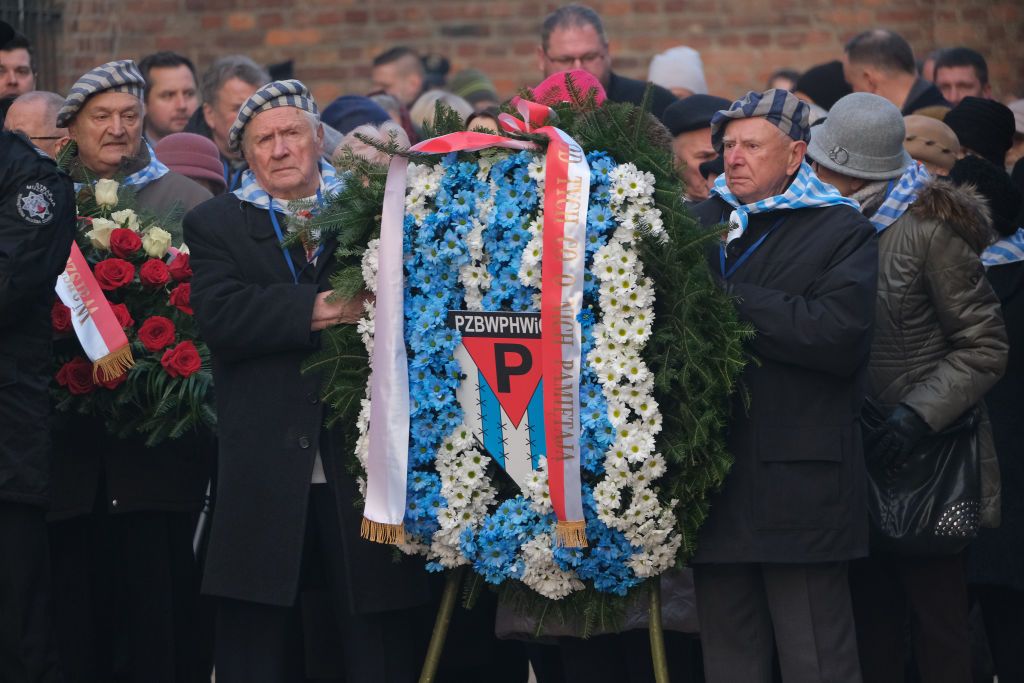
618, 413
608, 495
534, 250
536, 169
369, 264
639, 446
541, 572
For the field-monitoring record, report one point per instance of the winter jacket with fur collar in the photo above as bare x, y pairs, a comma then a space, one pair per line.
940, 343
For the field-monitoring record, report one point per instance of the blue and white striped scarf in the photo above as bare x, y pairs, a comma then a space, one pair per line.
806, 191
154, 170
250, 191
901, 196
1005, 251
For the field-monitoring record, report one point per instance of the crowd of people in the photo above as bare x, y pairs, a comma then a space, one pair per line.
875, 243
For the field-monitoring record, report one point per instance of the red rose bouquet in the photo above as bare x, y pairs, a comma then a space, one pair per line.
167, 391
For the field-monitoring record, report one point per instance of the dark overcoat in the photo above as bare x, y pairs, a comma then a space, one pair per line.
37, 225
796, 492
256, 320
997, 555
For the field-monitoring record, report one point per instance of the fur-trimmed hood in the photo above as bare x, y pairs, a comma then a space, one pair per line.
962, 207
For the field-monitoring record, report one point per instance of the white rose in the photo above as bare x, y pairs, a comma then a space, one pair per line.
105, 192
126, 218
100, 233
156, 241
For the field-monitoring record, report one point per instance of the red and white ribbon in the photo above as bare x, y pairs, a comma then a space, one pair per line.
94, 322
567, 189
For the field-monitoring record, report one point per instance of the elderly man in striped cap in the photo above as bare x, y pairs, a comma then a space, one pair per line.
104, 115
285, 560
801, 261
122, 514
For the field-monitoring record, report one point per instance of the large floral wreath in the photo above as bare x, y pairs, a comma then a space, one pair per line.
662, 344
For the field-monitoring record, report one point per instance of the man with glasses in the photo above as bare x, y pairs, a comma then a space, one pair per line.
34, 115
573, 37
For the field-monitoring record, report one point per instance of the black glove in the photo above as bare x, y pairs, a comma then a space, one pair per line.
903, 430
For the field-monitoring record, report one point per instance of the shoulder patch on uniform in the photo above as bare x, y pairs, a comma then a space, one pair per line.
35, 204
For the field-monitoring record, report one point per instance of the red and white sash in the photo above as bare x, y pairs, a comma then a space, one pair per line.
95, 324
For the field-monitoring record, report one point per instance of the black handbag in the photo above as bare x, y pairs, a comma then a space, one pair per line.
931, 506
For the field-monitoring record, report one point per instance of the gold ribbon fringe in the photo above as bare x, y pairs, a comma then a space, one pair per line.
113, 365
379, 532
571, 534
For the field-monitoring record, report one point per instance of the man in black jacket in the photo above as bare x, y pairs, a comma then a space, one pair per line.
37, 225
284, 543
573, 37
881, 62
801, 262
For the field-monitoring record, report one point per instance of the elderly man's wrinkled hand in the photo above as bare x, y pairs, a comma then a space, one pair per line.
327, 313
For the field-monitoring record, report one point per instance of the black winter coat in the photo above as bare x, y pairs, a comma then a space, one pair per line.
37, 225
796, 492
256, 320
997, 556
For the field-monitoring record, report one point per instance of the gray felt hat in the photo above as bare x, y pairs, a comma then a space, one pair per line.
290, 93
118, 76
861, 138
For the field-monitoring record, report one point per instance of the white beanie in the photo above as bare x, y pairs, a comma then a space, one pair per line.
679, 67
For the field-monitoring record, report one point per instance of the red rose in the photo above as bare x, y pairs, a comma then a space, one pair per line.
181, 361
180, 268
125, 242
156, 333
181, 297
76, 375
113, 383
60, 317
124, 318
154, 273
112, 273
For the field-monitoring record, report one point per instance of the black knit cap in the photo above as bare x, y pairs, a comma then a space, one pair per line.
986, 127
995, 185
824, 83
692, 113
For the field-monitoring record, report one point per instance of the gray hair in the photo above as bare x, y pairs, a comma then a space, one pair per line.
311, 118
425, 107
571, 16
51, 100
226, 68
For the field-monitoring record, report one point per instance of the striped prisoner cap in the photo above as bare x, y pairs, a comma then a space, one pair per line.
291, 93
118, 76
779, 107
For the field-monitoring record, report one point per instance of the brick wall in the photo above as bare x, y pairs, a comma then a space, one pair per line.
333, 41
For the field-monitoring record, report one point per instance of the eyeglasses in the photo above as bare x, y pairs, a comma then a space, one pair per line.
588, 59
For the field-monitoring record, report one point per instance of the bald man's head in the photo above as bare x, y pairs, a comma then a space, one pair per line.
35, 115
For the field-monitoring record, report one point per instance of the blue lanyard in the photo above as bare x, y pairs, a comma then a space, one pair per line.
746, 254
280, 239
231, 178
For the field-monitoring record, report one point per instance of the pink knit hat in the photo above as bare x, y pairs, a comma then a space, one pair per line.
193, 156
554, 89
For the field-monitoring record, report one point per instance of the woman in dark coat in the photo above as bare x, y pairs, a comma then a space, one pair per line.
996, 557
